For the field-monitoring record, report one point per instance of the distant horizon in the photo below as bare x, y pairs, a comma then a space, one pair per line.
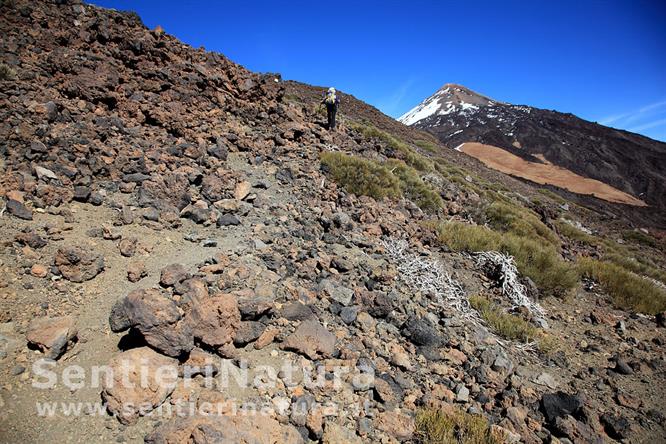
602, 62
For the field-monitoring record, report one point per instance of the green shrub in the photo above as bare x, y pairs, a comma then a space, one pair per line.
640, 265
534, 258
453, 427
519, 221
509, 326
428, 146
7, 72
628, 290
361, 176
576, 234
414, 188
411, 157
641, 238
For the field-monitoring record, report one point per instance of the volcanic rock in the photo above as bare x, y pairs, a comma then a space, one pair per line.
77, 264
139, 383
311, 339
52, 335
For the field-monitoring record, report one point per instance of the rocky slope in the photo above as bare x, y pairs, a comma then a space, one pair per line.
165, 207
629, 162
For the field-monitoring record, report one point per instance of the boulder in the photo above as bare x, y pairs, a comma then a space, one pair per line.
77, 264
52, 335
311, 339
398, 425
16, 207
559, 404
255, 429
157, 318
135, 388
215, 320
173, 274
337, 434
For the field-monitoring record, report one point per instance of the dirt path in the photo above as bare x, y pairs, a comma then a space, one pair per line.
90, 303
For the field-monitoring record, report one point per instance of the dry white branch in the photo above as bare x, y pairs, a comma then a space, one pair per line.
428, 276
511, 286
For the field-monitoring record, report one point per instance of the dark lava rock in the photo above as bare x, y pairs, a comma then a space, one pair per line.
622, 367
617, 427
157, 318
296, 311
30, 238
81, 193
348, 314
247, 332
661, 319
227, 219
556, 405
421, 332
18, 209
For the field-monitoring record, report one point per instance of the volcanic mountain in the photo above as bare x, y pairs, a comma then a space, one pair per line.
628, 162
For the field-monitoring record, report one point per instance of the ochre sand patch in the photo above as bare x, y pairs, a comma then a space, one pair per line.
501, 160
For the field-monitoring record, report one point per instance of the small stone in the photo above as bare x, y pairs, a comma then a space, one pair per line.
622, 367
336, 291
173, 274
227, 220
247, 332
39, 270
17, 370
462, 393
266, 338
547, 380
136, 271
78, 264
127, 246
348, 314
242, 190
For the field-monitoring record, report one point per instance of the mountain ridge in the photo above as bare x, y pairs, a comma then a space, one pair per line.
630, 162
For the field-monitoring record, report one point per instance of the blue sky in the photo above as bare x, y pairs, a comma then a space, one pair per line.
604, 61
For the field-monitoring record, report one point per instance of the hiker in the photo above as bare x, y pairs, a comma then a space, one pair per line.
331, 101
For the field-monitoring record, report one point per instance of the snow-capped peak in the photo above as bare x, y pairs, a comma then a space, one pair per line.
448, 99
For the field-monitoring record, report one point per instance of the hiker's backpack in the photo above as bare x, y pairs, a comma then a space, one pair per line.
330, 98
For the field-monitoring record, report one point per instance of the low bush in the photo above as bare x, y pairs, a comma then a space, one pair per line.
520, 221
641, 238
573, 233
411, 157
628, 290
361, 176
509, 326
428, 146
414, 188
534, 258
7, 72
453, 427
